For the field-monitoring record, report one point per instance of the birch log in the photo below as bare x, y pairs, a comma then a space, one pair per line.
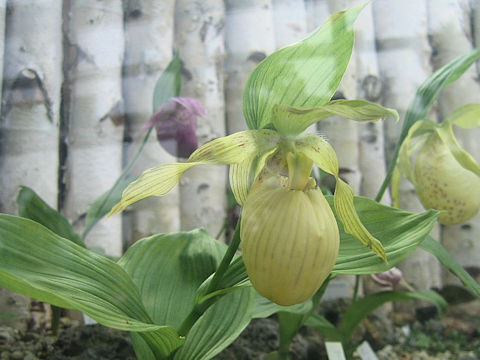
199, 36
148, 50
289, 21
95, 123
3, 6
451, 36
249, 38
30, 113
403, 55
371, 146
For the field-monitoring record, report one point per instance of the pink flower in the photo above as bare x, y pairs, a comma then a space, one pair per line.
176, 124
388, 278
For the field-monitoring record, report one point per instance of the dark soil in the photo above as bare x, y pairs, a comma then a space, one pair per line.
456, 336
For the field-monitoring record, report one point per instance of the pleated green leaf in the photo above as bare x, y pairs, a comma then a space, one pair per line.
168, 269
37, 263
221, 324
400, 233
363, 307
32, 206
291, 120
305, 74
182, 262
447, 260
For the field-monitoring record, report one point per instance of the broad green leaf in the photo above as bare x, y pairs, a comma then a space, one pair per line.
37, 263
447, 260
31, 206
233, 149
221, 324
305, 74
325, 327
169, 83
181, 261
360, 309
464, 158
178, 264
323, 155
426, 94
295, 120
400, 233
466, 116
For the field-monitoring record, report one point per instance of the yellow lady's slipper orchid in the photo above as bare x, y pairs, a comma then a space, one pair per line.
289, 194
442, 183
289, 235
444, 175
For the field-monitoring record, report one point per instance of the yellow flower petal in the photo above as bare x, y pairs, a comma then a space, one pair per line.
239, 148
156, 181
325, 158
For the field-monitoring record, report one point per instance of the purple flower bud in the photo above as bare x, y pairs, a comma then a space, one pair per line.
176, 124
388, 278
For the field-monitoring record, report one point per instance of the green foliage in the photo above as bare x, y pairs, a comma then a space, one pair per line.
38, 263
169, 83
447, 260
32, 206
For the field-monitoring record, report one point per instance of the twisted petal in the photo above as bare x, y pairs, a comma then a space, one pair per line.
295, 120
239, 148
325, 158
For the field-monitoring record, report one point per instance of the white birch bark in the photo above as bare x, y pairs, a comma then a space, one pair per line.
451, 36
372, 160
317, 12
249, 38
3, 6
289, 21
96, 43
199, 36
30, 113
403, 56
148, 21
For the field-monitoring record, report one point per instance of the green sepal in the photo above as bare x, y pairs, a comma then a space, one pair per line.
466, 160
466, 116
304, 74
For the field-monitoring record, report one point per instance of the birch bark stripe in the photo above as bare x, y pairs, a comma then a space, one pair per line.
148, 50
30, 112
403, 56
3, 5
199, 37
451, 36
95, 37
249, 38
